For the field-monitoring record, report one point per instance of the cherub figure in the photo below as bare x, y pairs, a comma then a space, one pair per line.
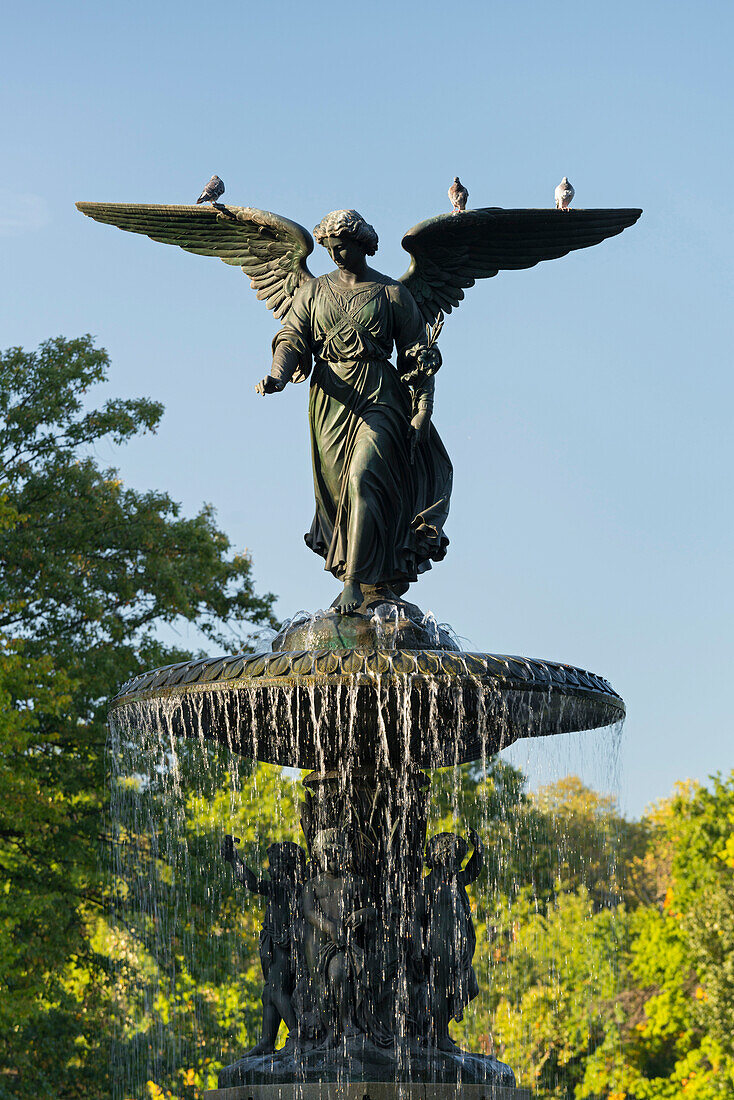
446, 931
337, 911
288, 869
382, 477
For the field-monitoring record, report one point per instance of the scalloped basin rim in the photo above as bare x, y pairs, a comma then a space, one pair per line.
304, 666
367, 708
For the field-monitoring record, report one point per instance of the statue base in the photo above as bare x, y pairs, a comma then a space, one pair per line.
369, 1090
359, 1059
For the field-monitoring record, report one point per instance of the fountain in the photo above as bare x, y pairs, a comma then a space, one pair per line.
367, 959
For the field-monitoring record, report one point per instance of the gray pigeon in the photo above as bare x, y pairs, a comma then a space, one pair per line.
213, 191
458, 195
564, 194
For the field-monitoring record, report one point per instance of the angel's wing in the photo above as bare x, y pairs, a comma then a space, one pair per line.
450, 252
270, 249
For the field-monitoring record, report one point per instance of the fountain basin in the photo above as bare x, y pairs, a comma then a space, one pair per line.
370, 1090
366, 707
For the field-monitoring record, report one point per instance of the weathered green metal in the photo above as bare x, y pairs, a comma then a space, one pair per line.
373, 690
322, 708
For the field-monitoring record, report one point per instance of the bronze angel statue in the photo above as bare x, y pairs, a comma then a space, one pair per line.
382, 477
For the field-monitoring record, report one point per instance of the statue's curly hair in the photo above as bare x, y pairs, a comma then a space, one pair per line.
446, 848
347, 223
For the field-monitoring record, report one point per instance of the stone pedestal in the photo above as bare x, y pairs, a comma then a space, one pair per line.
368, 1090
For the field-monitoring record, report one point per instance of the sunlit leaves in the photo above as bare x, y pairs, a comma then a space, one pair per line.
89, 569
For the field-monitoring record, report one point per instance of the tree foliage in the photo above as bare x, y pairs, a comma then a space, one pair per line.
89, 569
605, 952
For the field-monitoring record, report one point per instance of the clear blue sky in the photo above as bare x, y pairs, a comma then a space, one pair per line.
586, 403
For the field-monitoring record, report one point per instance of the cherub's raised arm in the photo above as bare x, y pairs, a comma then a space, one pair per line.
476, 863
249, 879
242, 872
361, 916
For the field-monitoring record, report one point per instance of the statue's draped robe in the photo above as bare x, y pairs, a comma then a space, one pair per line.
379, 518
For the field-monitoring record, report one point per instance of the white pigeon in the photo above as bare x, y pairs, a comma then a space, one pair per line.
564, 194
213, 191
458, 195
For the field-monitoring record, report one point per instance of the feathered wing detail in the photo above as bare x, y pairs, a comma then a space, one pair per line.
270, 249
450, 252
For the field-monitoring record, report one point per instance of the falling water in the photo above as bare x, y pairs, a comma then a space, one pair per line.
183, 936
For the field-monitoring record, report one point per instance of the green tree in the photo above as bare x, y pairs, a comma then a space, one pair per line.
673, 1014
89, 570
549, 917
184, 938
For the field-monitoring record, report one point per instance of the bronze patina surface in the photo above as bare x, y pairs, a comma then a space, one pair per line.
369, 1090
382, 477
368, 705
367, 942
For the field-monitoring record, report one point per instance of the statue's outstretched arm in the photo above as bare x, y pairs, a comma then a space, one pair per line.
450, 252
361, 916
476, 863
242, 872
270, 249
292, 350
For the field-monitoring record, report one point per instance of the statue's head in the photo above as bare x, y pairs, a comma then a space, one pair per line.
446, 851
331, 851
287, 859
349, 227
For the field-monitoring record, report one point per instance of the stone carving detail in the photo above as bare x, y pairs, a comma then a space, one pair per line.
364, 959
524, 672
278, 935
447, 932
339, 917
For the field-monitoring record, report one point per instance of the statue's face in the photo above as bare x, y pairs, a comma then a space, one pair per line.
346, 253
332, 855
331, 859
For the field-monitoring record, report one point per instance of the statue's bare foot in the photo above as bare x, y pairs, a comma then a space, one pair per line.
293, 1042
350, 599
446, 1043
263, 1047
443, 1041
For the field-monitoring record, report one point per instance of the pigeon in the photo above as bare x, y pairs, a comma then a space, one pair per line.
458, 195
213, 190
564, 194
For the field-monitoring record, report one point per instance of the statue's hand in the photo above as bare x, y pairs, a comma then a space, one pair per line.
419, 427
268, 385
430, 359
474, 838
229, 852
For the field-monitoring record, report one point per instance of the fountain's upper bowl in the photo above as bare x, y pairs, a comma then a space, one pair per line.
336, 705
380, 624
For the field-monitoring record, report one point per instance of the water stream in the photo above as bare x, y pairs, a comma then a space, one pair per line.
183, 934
